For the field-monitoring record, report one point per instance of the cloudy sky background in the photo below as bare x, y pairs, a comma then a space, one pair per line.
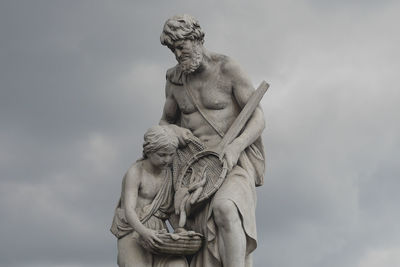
81, 81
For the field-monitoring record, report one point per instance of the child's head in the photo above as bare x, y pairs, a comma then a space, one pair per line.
160, 144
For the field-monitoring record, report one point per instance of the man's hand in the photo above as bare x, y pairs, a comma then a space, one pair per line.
231, 154
183, 134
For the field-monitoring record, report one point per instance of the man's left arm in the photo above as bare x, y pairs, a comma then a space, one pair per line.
242, 90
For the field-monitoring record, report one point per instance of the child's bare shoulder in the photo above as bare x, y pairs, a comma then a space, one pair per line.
133, 174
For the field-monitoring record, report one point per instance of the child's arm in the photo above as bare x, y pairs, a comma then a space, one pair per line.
132, 185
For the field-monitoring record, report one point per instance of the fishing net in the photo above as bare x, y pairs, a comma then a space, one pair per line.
196, 165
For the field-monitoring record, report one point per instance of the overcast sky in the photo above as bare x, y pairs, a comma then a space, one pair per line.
81, 81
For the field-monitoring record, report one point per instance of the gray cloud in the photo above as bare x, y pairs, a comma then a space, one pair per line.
81, 82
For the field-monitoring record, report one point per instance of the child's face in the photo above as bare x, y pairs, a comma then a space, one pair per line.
162, 158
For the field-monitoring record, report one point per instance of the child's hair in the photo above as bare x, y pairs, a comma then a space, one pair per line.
159, 137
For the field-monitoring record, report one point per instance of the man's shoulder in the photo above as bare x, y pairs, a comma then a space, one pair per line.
226, 63
171, 71
219, 58
174, 75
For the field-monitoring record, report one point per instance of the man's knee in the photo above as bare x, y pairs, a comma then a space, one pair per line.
226, 214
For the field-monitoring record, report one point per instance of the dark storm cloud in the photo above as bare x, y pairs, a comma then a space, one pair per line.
82, 81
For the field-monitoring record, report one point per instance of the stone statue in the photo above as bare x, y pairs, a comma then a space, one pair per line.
202, 162
146, 199
205, 92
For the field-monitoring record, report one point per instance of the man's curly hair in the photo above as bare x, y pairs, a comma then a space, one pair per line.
181, 27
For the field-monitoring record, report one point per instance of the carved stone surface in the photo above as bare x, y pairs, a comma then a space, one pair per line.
211, 113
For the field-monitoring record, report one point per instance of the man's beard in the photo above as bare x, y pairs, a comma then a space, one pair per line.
190, 63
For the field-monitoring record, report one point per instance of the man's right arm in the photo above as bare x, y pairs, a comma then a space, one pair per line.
170, 111
171, 115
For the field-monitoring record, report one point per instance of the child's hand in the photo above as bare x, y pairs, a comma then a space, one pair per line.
150, 239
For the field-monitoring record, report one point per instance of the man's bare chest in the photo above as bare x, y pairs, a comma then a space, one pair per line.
211, 94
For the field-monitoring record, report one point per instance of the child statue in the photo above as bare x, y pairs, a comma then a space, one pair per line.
145, 203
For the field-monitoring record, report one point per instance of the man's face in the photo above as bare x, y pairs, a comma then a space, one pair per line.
188, 54
162, 158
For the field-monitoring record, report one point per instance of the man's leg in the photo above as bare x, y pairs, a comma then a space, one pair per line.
231, 235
